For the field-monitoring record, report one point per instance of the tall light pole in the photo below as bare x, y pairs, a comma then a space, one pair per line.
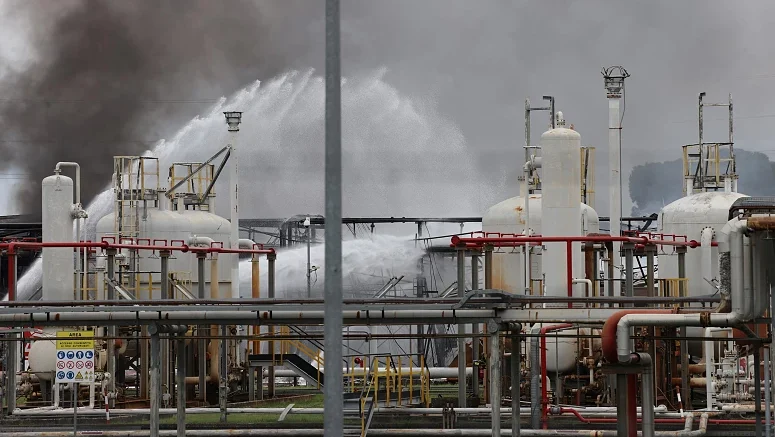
309, 261
333, 390
233, 120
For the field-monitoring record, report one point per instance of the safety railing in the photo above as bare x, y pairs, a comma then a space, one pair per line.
286, 347
673, 287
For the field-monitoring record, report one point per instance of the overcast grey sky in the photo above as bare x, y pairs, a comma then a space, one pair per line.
475, 61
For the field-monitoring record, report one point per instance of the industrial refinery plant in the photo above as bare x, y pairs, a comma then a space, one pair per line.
161, 309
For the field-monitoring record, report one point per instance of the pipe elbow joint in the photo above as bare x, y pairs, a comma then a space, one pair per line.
726, 233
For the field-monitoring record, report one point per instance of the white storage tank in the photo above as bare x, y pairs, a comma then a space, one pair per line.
57, 221
173, 225
561, 200
43, 355
689, 216
508, 217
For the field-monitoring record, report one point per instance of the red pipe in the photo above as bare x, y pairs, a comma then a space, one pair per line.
608, 336
569, 269
544, 389
457, 240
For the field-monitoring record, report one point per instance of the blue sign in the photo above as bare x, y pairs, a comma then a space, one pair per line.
61, 355
61, 375
79, 355
89, 355
70, 375
71, 355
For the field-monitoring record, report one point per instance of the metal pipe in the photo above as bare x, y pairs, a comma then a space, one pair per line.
155, 371
201, 330
707, 253
333, 420
111, 352
222, 386
516, 354
308, 432
767, 403
271, 258
535, 378
181, 387
757, 369
461, 343
629, 279
647, 395
488, 267
621, 402
475, 330
457, 240
494, 364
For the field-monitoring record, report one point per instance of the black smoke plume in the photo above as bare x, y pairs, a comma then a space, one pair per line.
110, 78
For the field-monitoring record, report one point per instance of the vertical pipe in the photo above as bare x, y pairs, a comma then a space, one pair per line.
632, 405
12, 362
494, 364
516, 356
651, 251
461, 341
155, 371
487, 267
420, 293
475, 330
271, 258
309, 263
181, 385
629, 248
333, 422
201, 330
767, 398
167, 379
621, 401
569, 269
647, 401
615, 178
111, 355
757, 380
255, 291
223, 373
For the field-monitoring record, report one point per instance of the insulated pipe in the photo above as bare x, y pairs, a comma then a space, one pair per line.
202, 343
494, 367
588, 283
215, 350
706, 241
616, 340
271, 259
461, 342
535, 378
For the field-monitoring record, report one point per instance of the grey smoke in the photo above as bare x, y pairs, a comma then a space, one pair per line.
476, 61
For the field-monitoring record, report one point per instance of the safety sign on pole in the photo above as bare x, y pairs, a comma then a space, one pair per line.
75, 357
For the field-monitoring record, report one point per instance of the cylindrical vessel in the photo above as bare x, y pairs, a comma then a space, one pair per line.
561, 200
58, 263
508, 217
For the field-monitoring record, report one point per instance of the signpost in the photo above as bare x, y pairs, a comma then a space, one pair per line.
75, 357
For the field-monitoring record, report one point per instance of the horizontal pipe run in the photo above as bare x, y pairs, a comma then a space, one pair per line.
383, 303
495, 241
75, 318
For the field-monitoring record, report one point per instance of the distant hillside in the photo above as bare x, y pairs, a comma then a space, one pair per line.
655, 184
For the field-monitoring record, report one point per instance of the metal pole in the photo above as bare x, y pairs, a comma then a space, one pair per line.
461, 342
111, 355
475, 330
333, 422
494, 364
271, 258
488, 267
181, 385
309, 265
516, 357
767, 392
75, 408
757, 380
222, 387
201, 331
621, 402
166, 358
155, 370
11, 354
647, 401
629, 250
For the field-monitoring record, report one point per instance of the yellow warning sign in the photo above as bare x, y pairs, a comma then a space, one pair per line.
75, 340
78, 376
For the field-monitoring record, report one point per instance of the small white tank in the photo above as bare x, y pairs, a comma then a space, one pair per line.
42, 357
57, 221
